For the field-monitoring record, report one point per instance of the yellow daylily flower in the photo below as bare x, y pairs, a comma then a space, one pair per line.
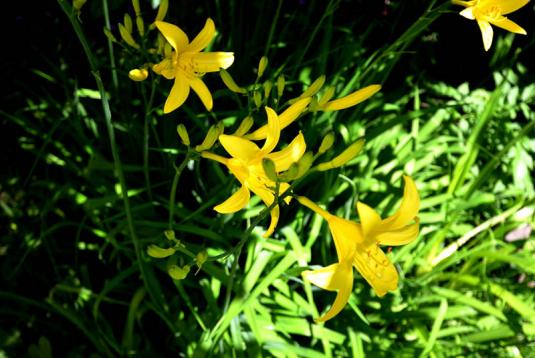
186, 64
357, 245
246, 165
487, 12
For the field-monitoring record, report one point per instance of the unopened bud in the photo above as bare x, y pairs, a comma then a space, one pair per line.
257, 97
344, 157
128, 23
268, 85
327, 95
200, 259
162, 10
213, 133
244, 127
351, 99
229, 82
158, 252
77, 4
137, 9
326, 143
280, 85
262, 66
269, 168
127, 37
304, 164
109, 35
138, 74
312, 89
170, 235
140, 25
183, 134
178, 273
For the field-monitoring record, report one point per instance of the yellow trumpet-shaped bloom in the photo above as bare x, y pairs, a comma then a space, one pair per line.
246, 165
357, 245
487, 12
186, 64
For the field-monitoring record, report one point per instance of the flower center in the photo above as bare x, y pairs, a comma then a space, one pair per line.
491, 12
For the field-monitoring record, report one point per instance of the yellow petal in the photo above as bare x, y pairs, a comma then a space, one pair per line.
468, 13
275, 213
285, 118
314, 207
346, 235
348, 154
369, 219
173, 34
236, 202
408, 210
203, 38
333, 277
508, 25
202, 91
351, 99
165, 68
239, 147
376, 269
230, 83
273, 132
179, 93
486, 33
507, 6
211, 61
289, 155
401, 236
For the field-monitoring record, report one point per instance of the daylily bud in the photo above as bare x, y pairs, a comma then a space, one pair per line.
268, 85
109, 35
158, 252
200, 259
344, 157
138, 74
262, 66
209, 140
257, 97
351, 99
304, 164
162, 10
77, 4
290, 174
269, 168
312, 89
229, 82
170, 235
183, 134
327, 95
127, 37
178, 273
137, 9
140, 25
128, 23
280, 85
326, 143
244, 127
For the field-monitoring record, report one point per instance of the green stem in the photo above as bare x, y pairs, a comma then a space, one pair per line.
110, 45
174, 185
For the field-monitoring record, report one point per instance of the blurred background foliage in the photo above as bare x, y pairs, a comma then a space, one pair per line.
457, 119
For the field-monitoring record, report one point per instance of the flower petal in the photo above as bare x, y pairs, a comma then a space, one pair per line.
275, 213
178, 95
376, 269
352, 99
346, 235
486, 33
369, 219
202, 91
508, 25
333, 277
165, 68
203, 38
239, 147
507, 6
289, 155
468, 13
401, 236
408, 209
285, 118
203, 62
273, 132
173, 34
235, 202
